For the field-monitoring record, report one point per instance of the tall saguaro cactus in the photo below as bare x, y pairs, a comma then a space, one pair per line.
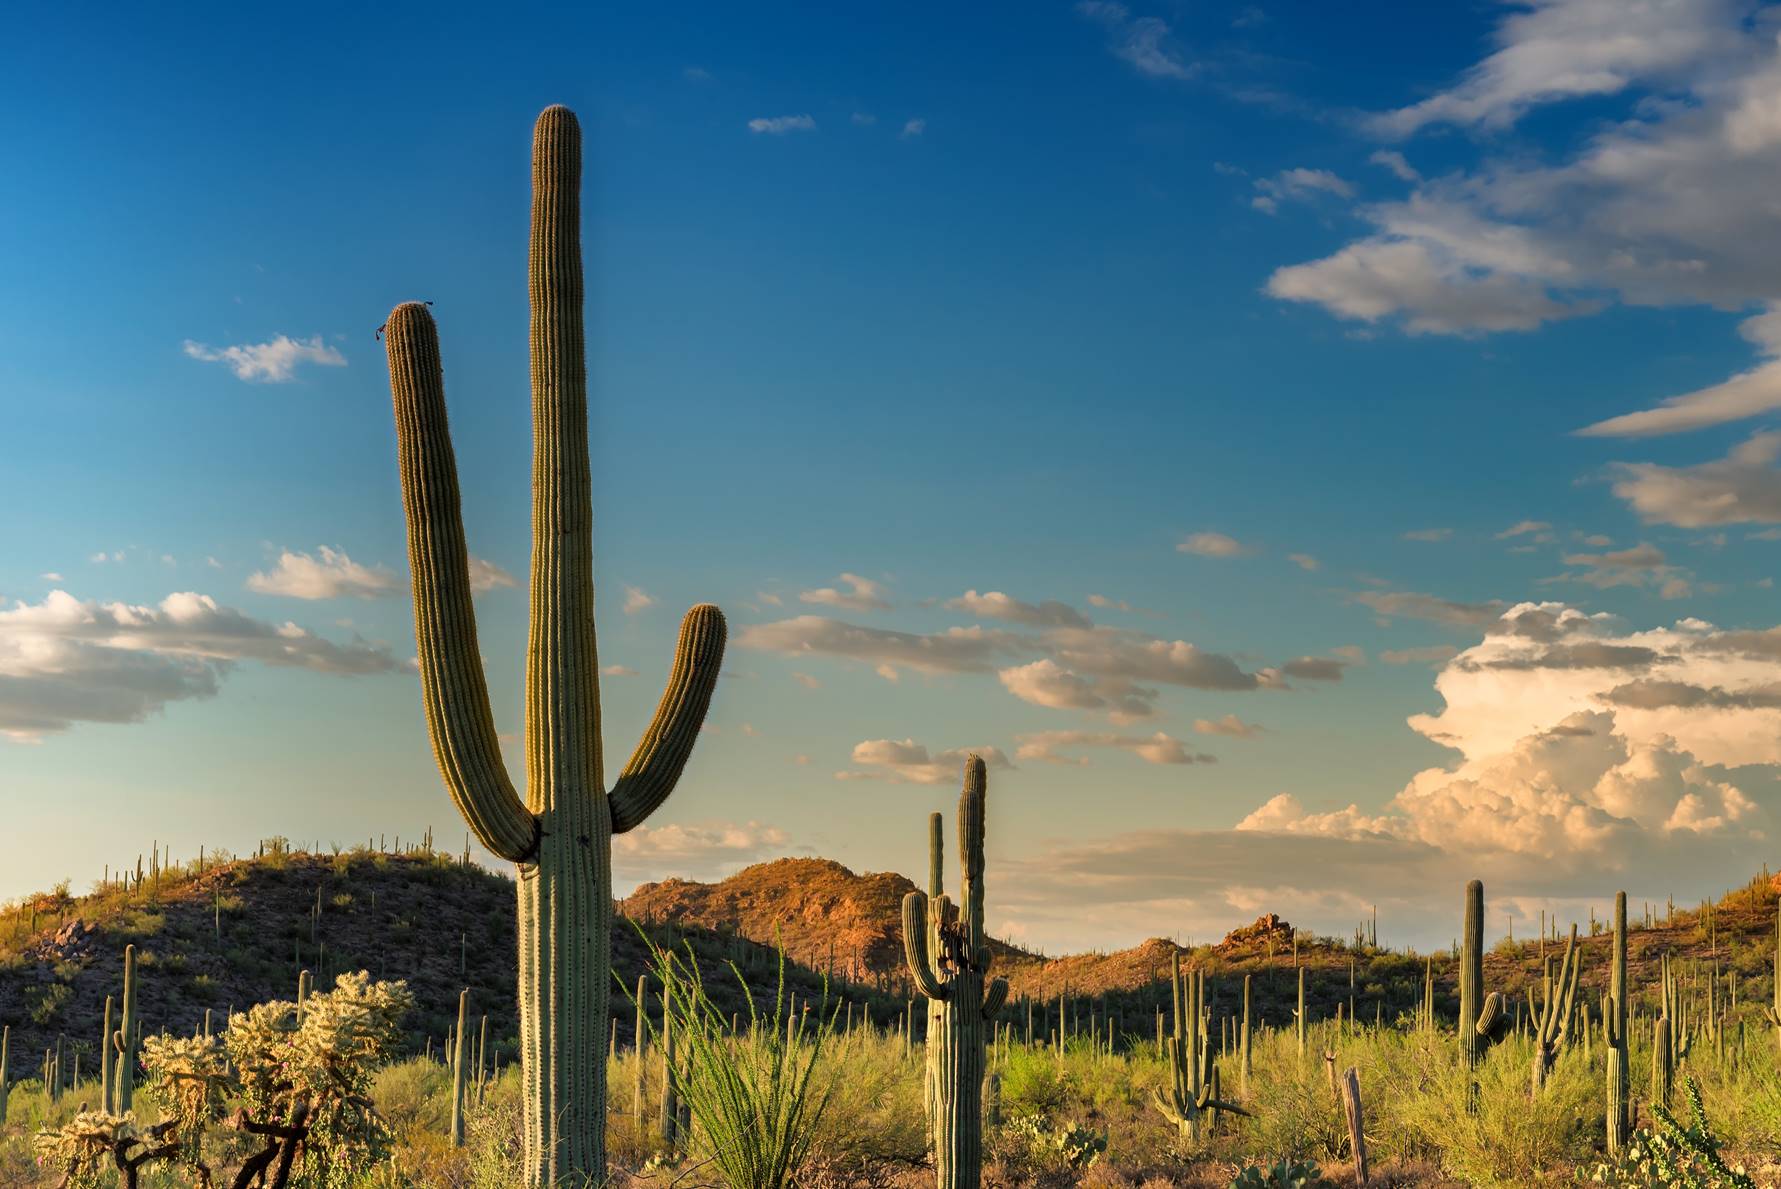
123, 1041
1482, 1020
1619, 1118
561, 834
951, 976
1193, 1078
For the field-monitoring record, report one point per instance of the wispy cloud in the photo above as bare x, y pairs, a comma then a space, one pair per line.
327, 574
637, 599
904, 761
272, 362
1146, 44
1213, 545
912, 129
780, 125
862, 594
1161, 748
1297, 185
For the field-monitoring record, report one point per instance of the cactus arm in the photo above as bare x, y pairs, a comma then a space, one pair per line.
662, 753
454, 690
1492, 1020
915, 947
994, 996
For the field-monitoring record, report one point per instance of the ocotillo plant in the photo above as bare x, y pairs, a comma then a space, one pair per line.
561, 835
1481, 1022
952, 975
1619, 1119
1552, 1030
1193, 1079
123, 1041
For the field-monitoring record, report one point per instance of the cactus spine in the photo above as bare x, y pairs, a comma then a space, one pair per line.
1482, 1022
1193, 1079
951, 975
1614, 1035
123, 1084
1553, 1027
561, 835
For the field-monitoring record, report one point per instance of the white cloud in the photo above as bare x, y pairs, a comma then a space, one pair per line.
912, 129
1109, 603
908, 762
486, 576
1213, 545
864, 119
1160, 748
64, 661
1304, 561
703, 850
1297, 185
1143, 43
996, 605
1744, 487
1642, 565
50, 576
1046, 683
618, 671
780, 125
1540, 530
862, 594
331, 575
1746, 394
272, 362
1394, 161
637, 599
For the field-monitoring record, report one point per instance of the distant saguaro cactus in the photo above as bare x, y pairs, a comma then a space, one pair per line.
1772, 1011
561, 835
1552, 1031
952, 976
1193, 1078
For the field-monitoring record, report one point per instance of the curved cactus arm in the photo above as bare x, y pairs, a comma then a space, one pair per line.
1493, 1021
1168, 1111
454, 691
994, 996
662, 753
1207, 1102
915, 947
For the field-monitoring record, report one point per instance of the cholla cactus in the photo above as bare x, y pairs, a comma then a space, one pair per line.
191, 1077
561, 834
953, 978
86, 1144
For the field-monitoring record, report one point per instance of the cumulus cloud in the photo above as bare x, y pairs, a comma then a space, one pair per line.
905, 761
1160, 748
65, 660
1046, 683
1143, 43
272, 362
862, 594
996, 605
1213, 545
328, 574
702, 851
780, 125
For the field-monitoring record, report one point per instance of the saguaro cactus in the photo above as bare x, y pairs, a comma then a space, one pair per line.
1552, 1030
1482, 1022
460, 1049
1619, 1121
936, 891
561, 835
1772, 1011
1193, 1079
5, 1057
952, 976
105, 1066
123, 1083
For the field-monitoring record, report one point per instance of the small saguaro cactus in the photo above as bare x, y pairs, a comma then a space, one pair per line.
460, 1050
936, 892
951, 975
1552, 1030
123, 1041
105, 1065
560, 836
1193, 1078
1619, 1117
1668, 1040
1482, 1022
1772, 1011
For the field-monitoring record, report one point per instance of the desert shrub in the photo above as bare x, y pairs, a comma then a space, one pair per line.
1033, 1085
1672, 1155
43, 1003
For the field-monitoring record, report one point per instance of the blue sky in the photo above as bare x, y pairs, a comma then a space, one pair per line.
1254, 322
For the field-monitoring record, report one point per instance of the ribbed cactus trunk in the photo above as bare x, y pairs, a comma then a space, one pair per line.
105, 1065
1247, 1066
1619, 1118
952, 976
460, 1050
1772, 1011
936, 890
1552, 1028
1471, 974
123, 1082
561, 836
